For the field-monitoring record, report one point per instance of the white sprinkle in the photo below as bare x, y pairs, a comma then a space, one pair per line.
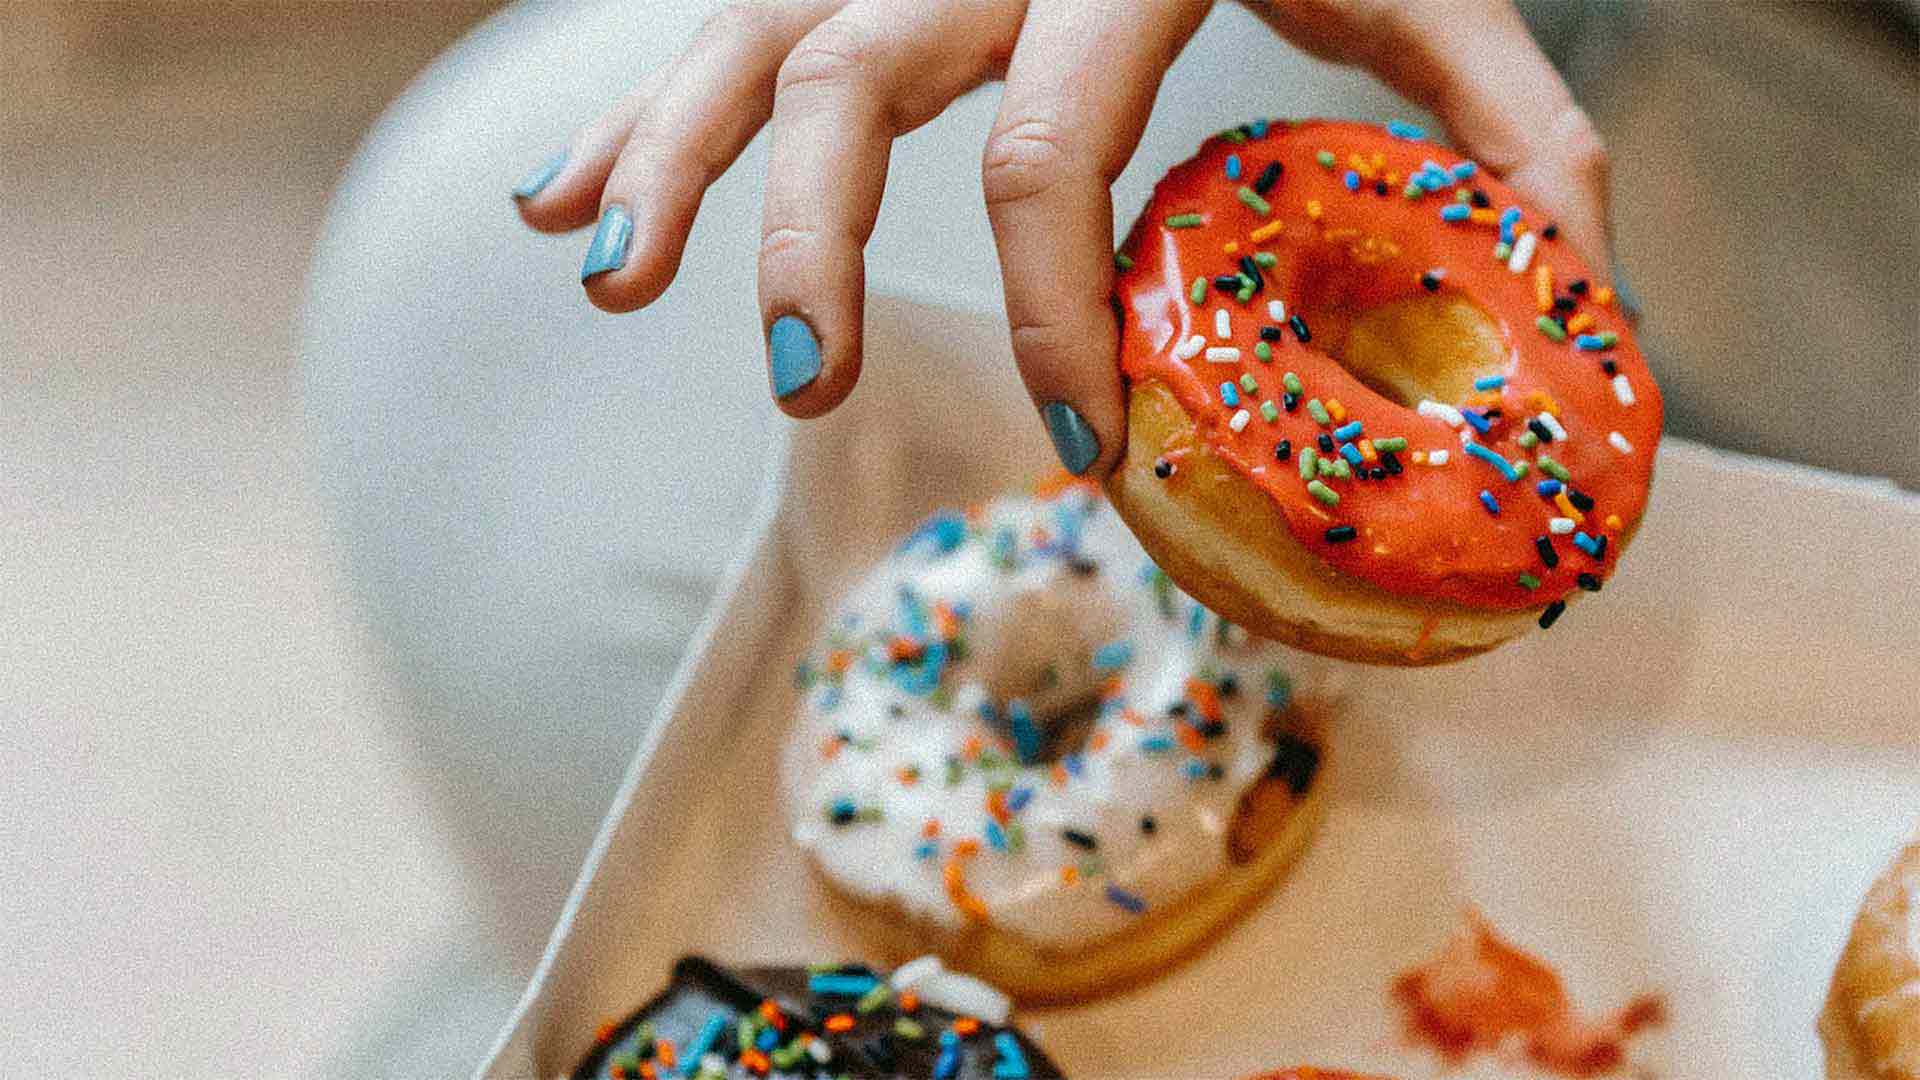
1438, 411
907, 975
714, 1063
1438, 457
1552, 424
1222, 325
1276, 311
1239, 421
817, 1049
965, 995
1466, 437
1619, 442
1189, 348
1623, 389
1559, 526
1522, 256
1223, 354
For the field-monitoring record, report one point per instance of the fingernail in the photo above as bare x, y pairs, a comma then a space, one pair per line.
609, 248
542, 175
794, 355
1073, 440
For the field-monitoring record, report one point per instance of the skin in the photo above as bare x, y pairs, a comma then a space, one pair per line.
838, 80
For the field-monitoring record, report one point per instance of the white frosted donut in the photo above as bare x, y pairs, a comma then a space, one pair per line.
1022, 736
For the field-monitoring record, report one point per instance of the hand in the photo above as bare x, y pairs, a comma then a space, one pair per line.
841, 79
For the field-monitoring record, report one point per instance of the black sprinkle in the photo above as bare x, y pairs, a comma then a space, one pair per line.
1588, 582
895, 711
1178, 708
1480, 200
1600, 549
1340, 534
1299, 328
1268, 177
1390, 461
1212, 729
1544, 545
1162, 468
1493, 413
1609, 366
1560, 319
1580, 499
1578, 287
1430, 281
1378, 472
1551, 232
843, 814
1283, 450
1081, 566
1360, 473
1379, 187
1252, 270
1216, 771
1564, 303
1245, 130
1540, 430
1147, 825
1289, 402
1552, 614
1326, 443
1295, 761
1269, 333
1227, 283
1079, 839
1229, 685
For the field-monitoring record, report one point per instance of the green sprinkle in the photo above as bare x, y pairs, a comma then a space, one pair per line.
907, 1029
874, 998
1198, 293
1324, 466
1291, 382
821, 967
1016, 837
1325, 158
1554, 469
1318, 412
1263, 352
1252, 198
1092, 866
1390, 445
1123, 260
748, 1029
1184, 221
1269, 411
1413, 191
1501, 250
787, 1056
1608, 339
1550, 328
1528, 581
1341, 469
1247, 383
1234, 136
1264, 259
1528, 440
1462, 195
1324, 493
1245, 294
1245, 281
1519, 468
1308, 461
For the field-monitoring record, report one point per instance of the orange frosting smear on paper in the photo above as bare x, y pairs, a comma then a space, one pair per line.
1481, 994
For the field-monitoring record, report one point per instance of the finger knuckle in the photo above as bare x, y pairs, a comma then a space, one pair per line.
1585, 151
835, 56
1024, 160
782, 241
742, 21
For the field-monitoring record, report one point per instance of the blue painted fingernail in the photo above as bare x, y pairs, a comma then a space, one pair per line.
1073, 440
609, 248
793, 353
542, 175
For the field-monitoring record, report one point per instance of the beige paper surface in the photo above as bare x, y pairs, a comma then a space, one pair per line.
1684, 787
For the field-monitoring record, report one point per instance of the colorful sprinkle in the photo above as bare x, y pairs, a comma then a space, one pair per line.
1487, 500
1185, 221
1321, 491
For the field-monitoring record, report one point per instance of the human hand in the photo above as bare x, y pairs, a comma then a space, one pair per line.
841, 79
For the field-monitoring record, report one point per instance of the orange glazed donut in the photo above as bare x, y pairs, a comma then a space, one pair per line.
1376, 407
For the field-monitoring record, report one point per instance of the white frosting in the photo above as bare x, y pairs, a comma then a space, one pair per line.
883, 746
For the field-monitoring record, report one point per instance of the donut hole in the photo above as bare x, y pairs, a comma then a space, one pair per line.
1034, 649
1406, 344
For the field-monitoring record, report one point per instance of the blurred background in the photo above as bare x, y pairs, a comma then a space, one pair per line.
224, 846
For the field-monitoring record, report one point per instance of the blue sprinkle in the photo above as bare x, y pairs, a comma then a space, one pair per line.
1455, 212
1196, 769
947, 1064
926, 849
703, 1042
1510, 215
1074, 763
947, 531
1352, 180
1431, 179
830, 698
1279, 689
1026, 736
1012, 1064
834, 984
1465, 170
1487, 500
1155, 744
1400, 129
1489, 382
949, 1038
996, 836
1126, 900
1196, 621
1549, 488
1347, 430
1352, 455
844, 808
1229, 395
1233, 166
1492, 459
1113, 655
1589, 343
769, 1038
1587, 544
1478, 422
1018, 798
1259, 128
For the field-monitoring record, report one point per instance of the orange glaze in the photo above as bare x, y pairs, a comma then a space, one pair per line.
1425, 532
1308, 1072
